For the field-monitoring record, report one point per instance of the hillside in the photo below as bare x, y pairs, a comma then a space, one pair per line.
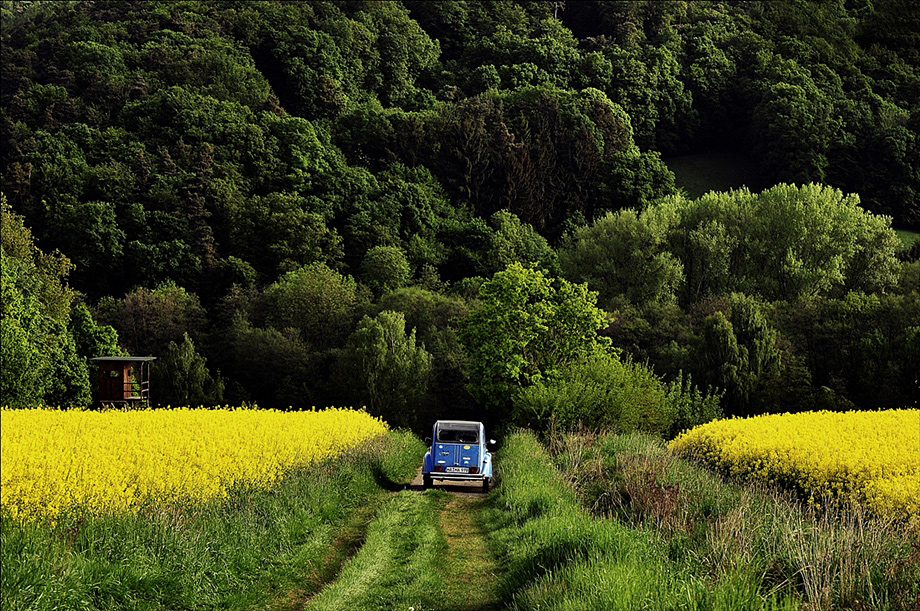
296, 204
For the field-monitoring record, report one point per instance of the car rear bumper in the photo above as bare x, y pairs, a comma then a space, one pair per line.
457, 477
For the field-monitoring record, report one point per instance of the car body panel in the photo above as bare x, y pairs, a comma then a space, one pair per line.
458, 452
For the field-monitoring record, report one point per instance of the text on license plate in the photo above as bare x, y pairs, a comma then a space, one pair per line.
456, 469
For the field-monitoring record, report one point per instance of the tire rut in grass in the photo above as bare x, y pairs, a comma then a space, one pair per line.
423, 551
346, 542
471, 572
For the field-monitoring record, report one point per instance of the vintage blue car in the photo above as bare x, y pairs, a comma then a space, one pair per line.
458, 453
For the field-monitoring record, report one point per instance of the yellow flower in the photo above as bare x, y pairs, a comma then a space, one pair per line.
871, 458
116, 461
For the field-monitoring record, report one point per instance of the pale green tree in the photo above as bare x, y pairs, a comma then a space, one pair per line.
317, 301
384, 269
526, 328
739, 355
181, 377
623, 254
38, 357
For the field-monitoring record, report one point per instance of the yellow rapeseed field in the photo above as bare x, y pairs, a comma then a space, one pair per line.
872, 458
117, 461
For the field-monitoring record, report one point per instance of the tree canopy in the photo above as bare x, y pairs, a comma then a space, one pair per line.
262, 176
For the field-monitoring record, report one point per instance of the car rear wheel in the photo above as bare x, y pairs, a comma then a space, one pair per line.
426, 481
485, 484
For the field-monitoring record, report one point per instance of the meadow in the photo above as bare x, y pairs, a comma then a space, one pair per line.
607, 521
311, 510
278, 520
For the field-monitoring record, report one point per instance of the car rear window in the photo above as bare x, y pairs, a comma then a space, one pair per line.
458, 434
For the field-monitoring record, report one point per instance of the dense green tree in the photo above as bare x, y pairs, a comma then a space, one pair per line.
739, 355
180, 377
172, 144
38, 355
90, 338
862, 347
320, 303
516, 242
147, 320
271, 368
385, 269
785, 243
600, 391
388, 371
623, 255
525, 329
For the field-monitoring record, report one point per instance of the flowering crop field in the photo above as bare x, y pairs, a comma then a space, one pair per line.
108, 462
871, 458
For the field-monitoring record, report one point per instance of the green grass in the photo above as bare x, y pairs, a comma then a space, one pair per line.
422, 551
752, 540
557, 555
255, 549
398, 566
698, 174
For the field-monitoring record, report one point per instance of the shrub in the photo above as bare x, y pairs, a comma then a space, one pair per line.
603, 390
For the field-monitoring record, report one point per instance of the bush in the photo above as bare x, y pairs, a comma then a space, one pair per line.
689, 407
602, 390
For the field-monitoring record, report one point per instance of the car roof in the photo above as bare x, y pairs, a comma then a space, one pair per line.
460, 423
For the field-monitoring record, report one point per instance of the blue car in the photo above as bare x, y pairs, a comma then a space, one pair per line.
458, 453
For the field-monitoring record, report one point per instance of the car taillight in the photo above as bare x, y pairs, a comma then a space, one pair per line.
474, 469
439, 468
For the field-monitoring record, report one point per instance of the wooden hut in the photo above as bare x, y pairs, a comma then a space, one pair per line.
124, 381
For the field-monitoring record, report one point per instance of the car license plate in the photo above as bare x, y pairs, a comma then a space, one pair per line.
456, 469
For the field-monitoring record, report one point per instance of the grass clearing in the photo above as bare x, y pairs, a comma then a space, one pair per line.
700, 173
908, 238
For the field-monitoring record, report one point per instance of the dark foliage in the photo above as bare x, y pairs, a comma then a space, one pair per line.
262, 175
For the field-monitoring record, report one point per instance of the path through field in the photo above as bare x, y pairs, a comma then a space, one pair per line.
471, 570
421, 551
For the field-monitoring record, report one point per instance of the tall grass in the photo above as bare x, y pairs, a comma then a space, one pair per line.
400, 565
557, 555
830, 559
238, 553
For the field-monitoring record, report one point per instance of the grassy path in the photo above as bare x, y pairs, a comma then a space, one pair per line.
471, 572
424, 551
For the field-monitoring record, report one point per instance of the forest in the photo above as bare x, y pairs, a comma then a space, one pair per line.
464, 208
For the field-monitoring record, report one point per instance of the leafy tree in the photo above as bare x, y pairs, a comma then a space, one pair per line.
268, 367
525, 329
785, 243
147, 320
792, 125
517, 242
281, 232
315, 300
425, 311
91, 339
38, 356
388, 370
623, 254
385, 269
181, 378
862, 348
739, 354
600, 391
